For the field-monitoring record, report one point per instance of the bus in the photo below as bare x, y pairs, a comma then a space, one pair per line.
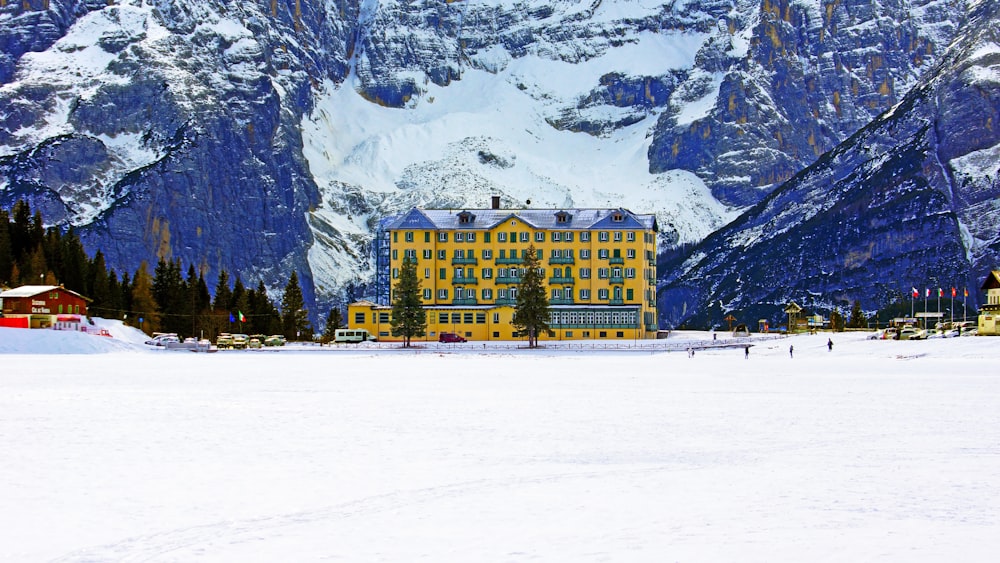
353, 335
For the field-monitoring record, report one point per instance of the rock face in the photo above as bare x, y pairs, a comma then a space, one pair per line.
265, 136
908, 201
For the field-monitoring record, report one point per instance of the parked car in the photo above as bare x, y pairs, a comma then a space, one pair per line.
254, 343
240, 341
224, 341
274, 340
162, 338
450, 337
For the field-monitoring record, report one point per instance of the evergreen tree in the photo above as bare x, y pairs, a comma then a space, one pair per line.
858, 319
143, 301
263, 314
6, 248
169, 294
222, 293
240, 305
98, 286
113, 309
20, 231
333, 321
294, 317
531, 313
409, 318
836, 321
74, 263
125, 296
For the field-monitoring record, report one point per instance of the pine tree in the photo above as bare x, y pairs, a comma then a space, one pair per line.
333, 322
531, 313
143, 302
836, 321
6, 248
294, 317
98, 285
263, 314
858, 319
409, 318
222, 293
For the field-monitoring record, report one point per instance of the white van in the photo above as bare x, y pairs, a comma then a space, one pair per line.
352, 335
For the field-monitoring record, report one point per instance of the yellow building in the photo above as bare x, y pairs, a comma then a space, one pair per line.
989, 312
599, 265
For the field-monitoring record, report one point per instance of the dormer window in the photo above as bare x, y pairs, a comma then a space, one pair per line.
464, 218
617, 217
563, 217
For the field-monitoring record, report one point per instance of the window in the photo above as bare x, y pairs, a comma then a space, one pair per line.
629, 272
442, 294
584, 294
556, 253
630, 253
487, 254
585, 273
629, 294
408, 236
501, 237
395, 254
556, 236
467, 318
459, 273
441, 255
630, 236
395, 273
602, 253
585, 254
539, 236
585, 236
459, 254
411, 254
442, 237
487, 294
556, 293
602, 236
616, 272
602, 294
427, 254
470, 237
525, 235
618, 236
427, 293
456, 318
443, 273
603, 273
486, 237
496, 318
427, 236
501, 293
487, 273
568, 237
480, 318
459, 237
383, 317
359, 318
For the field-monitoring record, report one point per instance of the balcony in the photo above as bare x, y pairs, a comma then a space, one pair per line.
508, 279
560, 301
465, 301
616, 260
562, 281
464, 281
561, 260
617, 280
467, 261
616, 302
510, 261
507, 301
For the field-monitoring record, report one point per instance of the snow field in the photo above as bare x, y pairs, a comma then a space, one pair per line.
876, 451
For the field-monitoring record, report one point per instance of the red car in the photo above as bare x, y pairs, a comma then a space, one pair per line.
450, 337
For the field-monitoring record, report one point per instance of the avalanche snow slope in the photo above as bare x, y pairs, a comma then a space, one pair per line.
909, 200
877, 451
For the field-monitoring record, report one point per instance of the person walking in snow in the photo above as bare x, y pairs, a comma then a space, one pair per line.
791, 351
829, 344
746, 352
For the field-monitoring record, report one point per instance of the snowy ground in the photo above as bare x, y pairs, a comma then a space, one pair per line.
876, 451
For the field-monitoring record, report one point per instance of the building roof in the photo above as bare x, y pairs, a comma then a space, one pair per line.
551, 219
33, 290
992, 281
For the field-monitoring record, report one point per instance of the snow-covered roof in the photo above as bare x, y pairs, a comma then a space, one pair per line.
552, 219
33, 290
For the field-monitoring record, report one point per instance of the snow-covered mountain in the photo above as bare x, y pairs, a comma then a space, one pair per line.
261, 136
911, 200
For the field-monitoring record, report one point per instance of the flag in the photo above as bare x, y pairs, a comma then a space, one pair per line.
915, 292
927, 292
940, 292
966, 292
231, 319
242, 318
954, 292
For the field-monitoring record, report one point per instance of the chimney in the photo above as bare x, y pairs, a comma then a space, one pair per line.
496, 202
